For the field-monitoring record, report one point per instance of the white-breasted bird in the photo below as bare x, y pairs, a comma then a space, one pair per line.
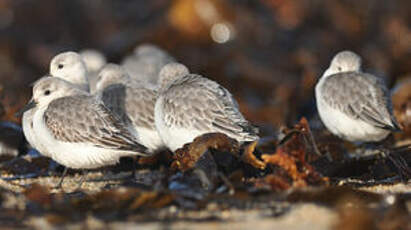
68, 66
132, 102
190, 105
354, 105
76, 129
94, 61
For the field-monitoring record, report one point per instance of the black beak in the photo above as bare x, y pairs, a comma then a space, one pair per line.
28, 106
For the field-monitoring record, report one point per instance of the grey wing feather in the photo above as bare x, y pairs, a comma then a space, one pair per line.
361, 96
132, 104
212, 108
114, 98
231, 109
82, 119
140, 107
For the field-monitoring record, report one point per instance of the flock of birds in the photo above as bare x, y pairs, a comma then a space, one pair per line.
87, 114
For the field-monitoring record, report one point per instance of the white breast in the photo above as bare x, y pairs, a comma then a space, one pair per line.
31, 135
27, 127
150, 139
344, 126
172, 137
74, 155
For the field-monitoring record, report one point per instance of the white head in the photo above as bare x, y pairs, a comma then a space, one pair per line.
170, 73
111, 74
49, 88
93, 59
344, 61
70, 67
145, 64
147, 49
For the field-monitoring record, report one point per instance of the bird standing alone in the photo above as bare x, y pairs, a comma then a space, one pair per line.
354, 105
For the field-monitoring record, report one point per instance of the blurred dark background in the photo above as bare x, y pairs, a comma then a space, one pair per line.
268, 53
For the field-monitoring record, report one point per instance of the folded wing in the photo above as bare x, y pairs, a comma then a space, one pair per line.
360, 96
91, 122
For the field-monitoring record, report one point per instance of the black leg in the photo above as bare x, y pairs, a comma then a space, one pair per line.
82, 178
227, 183
59, 185
135, 161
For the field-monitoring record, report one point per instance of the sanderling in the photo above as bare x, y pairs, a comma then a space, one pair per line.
94, 61
70, 67
77, 130
190, 105
146, 62
353, 105
132, 102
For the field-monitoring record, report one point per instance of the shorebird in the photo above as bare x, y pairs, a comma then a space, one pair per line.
190, 105
76, 128
354, 105
61, 65
94, 61
132, 102
145, 64
70, 66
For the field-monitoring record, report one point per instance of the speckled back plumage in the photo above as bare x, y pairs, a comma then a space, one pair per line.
195, 102
90, 122
134, 104
360, 96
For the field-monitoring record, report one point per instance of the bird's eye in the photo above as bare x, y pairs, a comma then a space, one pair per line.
339, 68
60, 66
47, 92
